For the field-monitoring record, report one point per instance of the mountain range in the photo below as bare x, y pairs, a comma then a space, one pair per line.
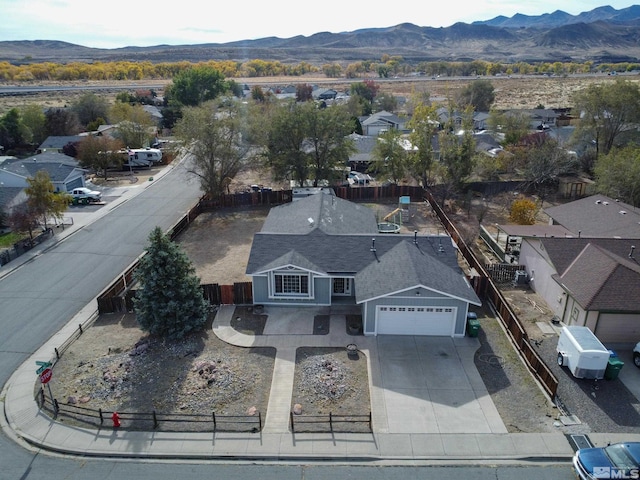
602, 35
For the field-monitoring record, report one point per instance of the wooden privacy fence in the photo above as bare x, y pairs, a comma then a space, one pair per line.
140, 421
329, 421
239, 293
486, 288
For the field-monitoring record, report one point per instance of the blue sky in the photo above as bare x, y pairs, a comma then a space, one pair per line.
120, 23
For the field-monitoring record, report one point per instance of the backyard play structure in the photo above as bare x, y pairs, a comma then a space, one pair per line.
392, 222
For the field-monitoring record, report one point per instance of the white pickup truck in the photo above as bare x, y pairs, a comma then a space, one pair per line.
84, 194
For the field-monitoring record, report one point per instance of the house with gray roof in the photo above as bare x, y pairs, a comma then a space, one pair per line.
322, 250
593, 282
64, 172
56, 143
597, 216
382, 121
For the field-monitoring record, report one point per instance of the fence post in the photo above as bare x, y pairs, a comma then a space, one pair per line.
57, 353
56, 407
293, 430
260, 421
330, 422
370, 421
80, 327
215, 425
155, 420
101, 417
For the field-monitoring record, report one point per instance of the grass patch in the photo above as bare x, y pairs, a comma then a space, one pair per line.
8, 239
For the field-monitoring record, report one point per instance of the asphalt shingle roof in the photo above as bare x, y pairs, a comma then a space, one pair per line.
58, 169
407, 265
322, 211
598, 216
601, 274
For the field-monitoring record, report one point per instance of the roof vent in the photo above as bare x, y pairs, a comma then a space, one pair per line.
631, 252
373, 244
598, 202
310, 220
605, 203
622, 212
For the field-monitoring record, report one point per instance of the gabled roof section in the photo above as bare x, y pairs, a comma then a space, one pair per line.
601, 280
57, 142
11, 196
58, 165
383, 116
563, 251
291, 258
598, 216
328, 213
339, 254
408, 265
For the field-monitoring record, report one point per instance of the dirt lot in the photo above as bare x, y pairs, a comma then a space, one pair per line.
516, 92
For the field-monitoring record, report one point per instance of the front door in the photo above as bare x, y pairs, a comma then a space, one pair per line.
342, 286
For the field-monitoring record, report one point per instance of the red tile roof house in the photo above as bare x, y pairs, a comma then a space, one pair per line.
322, 250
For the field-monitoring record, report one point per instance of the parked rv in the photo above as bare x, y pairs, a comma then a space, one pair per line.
581, 351
142, 157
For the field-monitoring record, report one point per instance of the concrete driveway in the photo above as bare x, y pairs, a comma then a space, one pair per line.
431, 385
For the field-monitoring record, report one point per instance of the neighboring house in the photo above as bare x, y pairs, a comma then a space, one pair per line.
380, 122
57, 143
62, 169
542, 118
10, 197
322, 250
588, 281
479, 118
362, 157
597, 216
325, 94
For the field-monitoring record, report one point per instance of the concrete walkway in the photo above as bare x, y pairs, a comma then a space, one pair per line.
26, 424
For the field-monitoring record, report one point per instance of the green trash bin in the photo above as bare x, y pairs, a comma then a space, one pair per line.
473, 324
613, 368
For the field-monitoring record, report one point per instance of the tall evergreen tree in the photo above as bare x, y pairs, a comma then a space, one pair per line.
169, 303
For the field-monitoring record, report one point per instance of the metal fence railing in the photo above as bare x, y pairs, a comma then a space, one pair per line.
328, 422
144, 421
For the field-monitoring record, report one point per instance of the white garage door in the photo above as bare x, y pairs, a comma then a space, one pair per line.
399, 320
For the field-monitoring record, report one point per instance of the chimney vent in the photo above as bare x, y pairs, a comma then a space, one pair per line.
631, 252
373, 244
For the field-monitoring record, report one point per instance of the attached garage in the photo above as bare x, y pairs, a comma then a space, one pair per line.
415, 320
618, 328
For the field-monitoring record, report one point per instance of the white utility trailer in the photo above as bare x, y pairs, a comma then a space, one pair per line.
581, 351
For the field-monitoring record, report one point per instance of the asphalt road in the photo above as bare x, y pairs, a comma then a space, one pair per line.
42, 295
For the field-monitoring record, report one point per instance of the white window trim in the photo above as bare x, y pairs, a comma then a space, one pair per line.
300, 273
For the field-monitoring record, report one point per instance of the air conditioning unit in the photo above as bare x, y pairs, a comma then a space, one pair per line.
521, 278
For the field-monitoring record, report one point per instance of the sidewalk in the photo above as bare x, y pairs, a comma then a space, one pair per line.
24, 421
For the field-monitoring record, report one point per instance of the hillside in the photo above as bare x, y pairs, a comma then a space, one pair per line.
603, 35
